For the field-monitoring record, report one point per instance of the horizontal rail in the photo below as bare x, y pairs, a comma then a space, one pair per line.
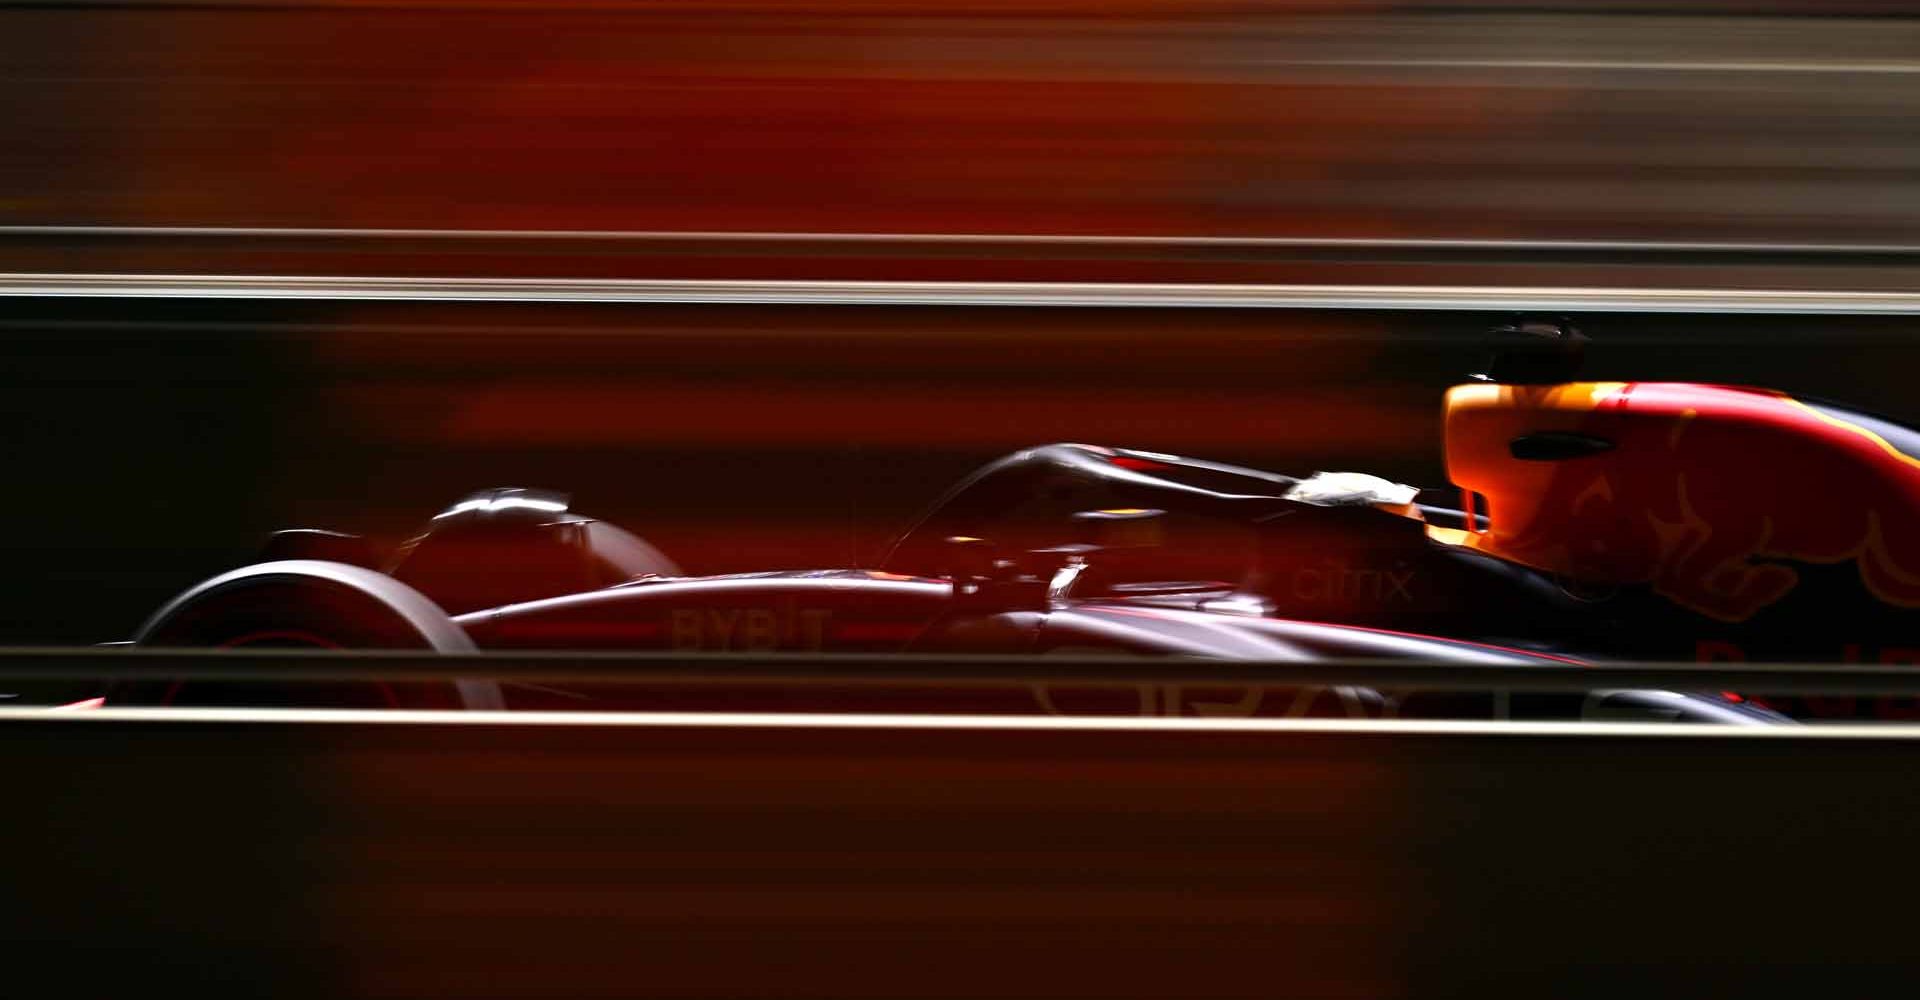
829, 722
1199, 246
1015, 269
959, 293
130, 663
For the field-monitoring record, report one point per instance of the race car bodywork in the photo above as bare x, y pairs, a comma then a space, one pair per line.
1598, 520
1786, 528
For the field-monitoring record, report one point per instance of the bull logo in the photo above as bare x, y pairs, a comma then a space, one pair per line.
1703, 493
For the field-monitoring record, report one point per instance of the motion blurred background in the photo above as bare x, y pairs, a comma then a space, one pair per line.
151, 443
1685, 119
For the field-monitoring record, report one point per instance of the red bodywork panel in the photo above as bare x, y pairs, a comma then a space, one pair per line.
1701, 491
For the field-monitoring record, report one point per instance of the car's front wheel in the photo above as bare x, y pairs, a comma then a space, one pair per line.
306, 604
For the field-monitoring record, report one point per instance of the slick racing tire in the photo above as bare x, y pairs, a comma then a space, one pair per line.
313, 604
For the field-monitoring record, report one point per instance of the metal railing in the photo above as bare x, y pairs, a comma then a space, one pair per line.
965, 269
257, 665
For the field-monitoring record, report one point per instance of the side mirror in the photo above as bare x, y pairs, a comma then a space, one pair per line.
1121, 528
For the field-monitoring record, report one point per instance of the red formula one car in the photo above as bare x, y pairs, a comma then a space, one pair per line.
1597, 519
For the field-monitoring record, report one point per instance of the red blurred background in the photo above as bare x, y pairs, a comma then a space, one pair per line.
1579, 119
